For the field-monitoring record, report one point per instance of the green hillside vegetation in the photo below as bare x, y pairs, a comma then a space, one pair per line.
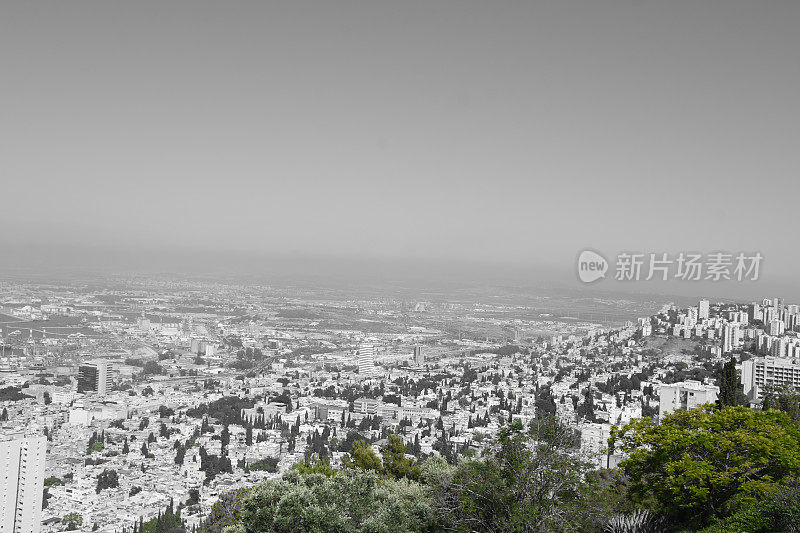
713, 469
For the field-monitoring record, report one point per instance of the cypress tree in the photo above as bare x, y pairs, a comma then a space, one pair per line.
729, 385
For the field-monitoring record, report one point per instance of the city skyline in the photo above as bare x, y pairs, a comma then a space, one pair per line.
360, 266
147, 402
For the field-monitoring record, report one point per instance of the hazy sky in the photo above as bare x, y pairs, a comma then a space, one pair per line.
513, 132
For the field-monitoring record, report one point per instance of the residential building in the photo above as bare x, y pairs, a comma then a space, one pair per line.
761, 372
419, 356
703, 310
22, 467
366, 360
95, 376
730, 337
685, 395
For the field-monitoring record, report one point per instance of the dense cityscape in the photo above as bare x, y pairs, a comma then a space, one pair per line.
346, 266
125, 404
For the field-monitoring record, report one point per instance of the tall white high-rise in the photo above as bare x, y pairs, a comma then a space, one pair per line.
777, 303
419, 356
776, 327
731, 337
754, 311
22, 464
95, 376
768, 315
692, 316
790, 321
780, 347
366, 360
703, 308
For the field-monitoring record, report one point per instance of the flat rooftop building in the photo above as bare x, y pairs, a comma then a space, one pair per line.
685, 395
763, 372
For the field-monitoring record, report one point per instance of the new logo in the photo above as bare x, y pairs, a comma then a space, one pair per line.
591, 266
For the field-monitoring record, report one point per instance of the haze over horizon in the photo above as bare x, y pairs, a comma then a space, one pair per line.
508, 136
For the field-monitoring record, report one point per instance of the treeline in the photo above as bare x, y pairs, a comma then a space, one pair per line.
226, 410
712, 469
169, 521
148, 367
268, 464
213, 465
12, 394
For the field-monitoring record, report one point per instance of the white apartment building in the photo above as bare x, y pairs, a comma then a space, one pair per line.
685, 395
366, 360
691, 317
703, 309
594, 443
731, 337
759, 372
419, 356
776, 327
22, 467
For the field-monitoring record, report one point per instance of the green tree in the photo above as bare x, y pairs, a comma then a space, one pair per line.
107, 479
700, 464
783, 398
729, 385
180, 455
395, 462
779, 511
225, 512
95, 444
152, 367
353, 500
45, 496
586, 409
531, 482
167, 522
313, 465
53, 481
73, 521
362, 456
225, 436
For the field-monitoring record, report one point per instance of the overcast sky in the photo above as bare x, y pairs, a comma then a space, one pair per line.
509, 132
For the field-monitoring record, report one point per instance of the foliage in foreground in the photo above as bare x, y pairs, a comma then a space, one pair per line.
530, 482
780, 511
700, 465
393, 461
639, 521
723, 469
352, 500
